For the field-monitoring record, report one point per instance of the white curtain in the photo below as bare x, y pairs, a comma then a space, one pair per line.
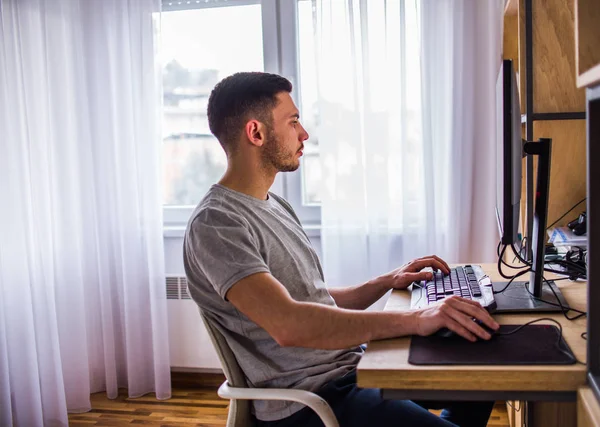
407, 108
82, 299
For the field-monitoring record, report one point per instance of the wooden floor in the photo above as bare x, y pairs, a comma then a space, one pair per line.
193, 403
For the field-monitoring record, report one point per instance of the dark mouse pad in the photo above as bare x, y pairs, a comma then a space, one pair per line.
532, 345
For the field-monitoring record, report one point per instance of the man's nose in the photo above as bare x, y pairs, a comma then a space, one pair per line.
304, 135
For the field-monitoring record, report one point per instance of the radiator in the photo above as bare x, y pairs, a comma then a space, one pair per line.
190, 347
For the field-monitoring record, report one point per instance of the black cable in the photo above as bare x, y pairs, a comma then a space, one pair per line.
573, 270
560, 329
563, 309
518, 255
511, 280
521, 248
569, 264
523, 240
518, 328
572, 275
562, 278
514, 267
572, 264
567, 213
501, 261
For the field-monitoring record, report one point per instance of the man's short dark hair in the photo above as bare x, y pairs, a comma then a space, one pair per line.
241, 97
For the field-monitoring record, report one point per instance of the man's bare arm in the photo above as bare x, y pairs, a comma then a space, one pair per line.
362, 296
265, 301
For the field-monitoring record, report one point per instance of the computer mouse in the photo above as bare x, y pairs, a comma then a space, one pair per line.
447, 333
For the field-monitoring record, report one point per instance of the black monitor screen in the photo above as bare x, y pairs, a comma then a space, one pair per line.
509, 153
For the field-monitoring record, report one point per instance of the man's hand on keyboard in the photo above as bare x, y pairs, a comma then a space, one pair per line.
456, 314
402, 277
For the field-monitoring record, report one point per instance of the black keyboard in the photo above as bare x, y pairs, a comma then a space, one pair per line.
467, 281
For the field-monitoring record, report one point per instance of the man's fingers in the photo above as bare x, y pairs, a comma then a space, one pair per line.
437, 258
467, 323
442, 261
472, 309
421, 263
417, 277
456, 327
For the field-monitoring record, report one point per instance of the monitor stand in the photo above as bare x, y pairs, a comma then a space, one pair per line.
516, 298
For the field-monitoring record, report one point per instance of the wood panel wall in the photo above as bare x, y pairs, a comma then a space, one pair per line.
567, 168
554, 91
554, 83
587, 16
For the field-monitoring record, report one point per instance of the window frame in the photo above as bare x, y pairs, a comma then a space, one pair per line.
280, 55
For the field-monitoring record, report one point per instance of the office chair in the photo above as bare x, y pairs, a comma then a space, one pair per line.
235, 389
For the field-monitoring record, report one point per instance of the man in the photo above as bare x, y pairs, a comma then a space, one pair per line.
253, 272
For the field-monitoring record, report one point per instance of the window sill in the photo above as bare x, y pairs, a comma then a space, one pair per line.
174, 231
312, 230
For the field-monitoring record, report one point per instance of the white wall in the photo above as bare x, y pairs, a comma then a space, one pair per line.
190, 348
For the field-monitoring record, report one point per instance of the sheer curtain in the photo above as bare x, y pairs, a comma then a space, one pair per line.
82, 300
406, 101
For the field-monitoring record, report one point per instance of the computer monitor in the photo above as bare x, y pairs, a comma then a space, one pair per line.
537, 294
509, 152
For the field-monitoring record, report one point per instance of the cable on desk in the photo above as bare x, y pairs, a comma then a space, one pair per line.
502, 262
512, 278
521, 248
501, 257
563, 309
573, 270
518, 255
560, 329
527, 269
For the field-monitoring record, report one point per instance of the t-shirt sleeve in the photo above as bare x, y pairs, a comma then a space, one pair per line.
224, 248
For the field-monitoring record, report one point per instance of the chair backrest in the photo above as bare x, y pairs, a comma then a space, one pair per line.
239, 410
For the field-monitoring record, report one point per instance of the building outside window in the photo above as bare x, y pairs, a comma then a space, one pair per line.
203, 42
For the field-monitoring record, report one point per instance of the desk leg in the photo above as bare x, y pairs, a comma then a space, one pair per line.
552, 414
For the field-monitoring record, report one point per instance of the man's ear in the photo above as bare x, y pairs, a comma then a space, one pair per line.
255, 132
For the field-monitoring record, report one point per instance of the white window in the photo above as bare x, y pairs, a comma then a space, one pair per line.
203, 41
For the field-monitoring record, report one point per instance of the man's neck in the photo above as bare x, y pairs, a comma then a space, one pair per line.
255, 183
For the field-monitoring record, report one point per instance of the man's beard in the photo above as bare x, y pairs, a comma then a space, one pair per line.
274, 155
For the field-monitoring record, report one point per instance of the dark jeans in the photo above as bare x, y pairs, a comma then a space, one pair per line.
360, 407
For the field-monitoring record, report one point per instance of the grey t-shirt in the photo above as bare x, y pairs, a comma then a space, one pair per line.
231, 236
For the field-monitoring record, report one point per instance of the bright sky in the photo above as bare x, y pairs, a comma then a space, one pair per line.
224, 38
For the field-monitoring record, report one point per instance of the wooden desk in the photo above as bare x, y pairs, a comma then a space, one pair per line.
385, 363
588, 410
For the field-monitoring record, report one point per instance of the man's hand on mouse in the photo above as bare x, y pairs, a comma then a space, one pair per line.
456, 314
402, 277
